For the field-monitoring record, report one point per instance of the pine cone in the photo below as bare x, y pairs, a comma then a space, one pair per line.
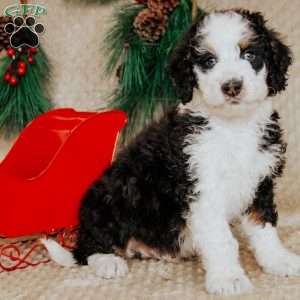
150, 24
165, 6
4, 37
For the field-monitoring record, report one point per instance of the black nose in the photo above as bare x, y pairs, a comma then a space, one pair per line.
232, 87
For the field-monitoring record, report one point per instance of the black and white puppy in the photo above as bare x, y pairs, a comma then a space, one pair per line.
174, 191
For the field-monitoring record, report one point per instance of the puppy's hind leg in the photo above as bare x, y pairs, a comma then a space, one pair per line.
104, 262
100, 234
108, 265
98, 254
87, 251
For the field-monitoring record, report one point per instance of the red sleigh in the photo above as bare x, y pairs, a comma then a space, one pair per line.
49, 168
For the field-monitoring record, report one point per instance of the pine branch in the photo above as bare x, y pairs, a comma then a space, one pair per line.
22, 103
144, 84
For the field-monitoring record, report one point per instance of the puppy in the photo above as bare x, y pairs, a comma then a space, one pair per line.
174, 191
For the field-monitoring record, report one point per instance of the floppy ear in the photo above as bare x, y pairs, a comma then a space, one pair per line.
279, 59
278, 56
181, 67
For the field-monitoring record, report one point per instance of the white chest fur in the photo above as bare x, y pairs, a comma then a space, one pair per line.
226, 162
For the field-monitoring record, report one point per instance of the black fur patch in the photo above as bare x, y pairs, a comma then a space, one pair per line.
273, 142
263, 207
144, 194
181, 63
276, 55
258, 62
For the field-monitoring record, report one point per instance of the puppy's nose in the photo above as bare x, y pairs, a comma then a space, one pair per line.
232, 87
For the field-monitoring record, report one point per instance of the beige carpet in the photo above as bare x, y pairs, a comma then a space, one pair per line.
72, 39
149, 279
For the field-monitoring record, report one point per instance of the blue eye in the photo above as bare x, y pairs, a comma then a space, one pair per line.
205, 60
210, 62
249, 56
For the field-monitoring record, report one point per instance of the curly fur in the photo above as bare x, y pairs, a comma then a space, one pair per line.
278, 56
143, 194
173, 191
181, 65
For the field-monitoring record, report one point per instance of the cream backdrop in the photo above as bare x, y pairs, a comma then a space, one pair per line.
73, 37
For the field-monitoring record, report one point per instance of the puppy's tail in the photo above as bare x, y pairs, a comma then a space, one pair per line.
59, 254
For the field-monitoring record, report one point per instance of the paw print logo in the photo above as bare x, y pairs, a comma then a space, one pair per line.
24, 32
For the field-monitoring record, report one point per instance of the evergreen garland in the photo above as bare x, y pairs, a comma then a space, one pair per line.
21, 103
144, 83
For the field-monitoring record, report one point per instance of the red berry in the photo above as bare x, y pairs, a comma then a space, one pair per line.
10, 52
13, 81
9, 68
30, 59
33, 50
22, 64
6, 77
21, 71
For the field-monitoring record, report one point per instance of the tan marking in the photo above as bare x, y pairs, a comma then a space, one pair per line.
255, 217
119, 251
246, 41
135, 248
206, 48
244, 44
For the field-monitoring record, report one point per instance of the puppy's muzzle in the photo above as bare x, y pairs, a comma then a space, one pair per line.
232, 88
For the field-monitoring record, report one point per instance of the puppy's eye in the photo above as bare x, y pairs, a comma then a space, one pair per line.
210, 62
204, 60
250, 56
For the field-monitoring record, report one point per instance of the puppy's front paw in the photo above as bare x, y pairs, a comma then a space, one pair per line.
284, 264
228, 283
108, 265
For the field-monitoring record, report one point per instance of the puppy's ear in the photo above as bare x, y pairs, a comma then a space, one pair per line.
278, 56
180, 67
